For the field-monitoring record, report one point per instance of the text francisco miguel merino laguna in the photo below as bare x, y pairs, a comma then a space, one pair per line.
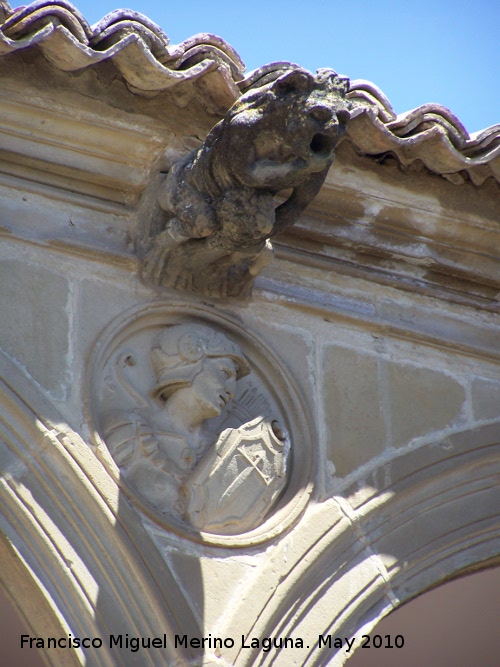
135, 644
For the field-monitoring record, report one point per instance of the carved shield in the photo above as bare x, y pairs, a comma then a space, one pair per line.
239, 479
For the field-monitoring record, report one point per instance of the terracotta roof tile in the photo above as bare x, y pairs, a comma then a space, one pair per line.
138, 47
149, 63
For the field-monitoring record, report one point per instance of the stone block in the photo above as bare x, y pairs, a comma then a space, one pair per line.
209, 582
294, 345
34, 322
422, 400
485, 398
355, 428
459, 454
99, 302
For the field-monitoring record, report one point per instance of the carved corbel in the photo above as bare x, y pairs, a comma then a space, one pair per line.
218, 203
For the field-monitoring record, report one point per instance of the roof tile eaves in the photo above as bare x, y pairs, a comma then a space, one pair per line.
147, 61
56, 24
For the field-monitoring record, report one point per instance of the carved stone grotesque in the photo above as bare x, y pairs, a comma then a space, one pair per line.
219, 202
222, 482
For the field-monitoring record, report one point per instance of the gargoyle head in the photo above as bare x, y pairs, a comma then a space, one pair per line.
220, 199
280, 132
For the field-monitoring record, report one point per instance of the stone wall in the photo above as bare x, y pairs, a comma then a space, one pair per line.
374, 334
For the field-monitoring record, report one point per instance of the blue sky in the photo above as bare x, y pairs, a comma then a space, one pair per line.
446, 51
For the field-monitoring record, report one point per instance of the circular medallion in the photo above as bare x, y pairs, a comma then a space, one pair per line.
200, 424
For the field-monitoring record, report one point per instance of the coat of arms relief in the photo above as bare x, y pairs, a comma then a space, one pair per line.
197, 428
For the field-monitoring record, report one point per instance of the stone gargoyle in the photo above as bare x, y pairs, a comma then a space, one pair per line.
219, 202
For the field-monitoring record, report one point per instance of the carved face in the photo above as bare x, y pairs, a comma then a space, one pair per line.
288, 130
213, 387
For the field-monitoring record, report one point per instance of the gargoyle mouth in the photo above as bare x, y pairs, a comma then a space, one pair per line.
322, 144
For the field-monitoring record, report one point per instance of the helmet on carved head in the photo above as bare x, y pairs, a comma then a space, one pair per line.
179, 351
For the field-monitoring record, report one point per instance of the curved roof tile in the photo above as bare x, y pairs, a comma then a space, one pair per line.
149, 63
138, 47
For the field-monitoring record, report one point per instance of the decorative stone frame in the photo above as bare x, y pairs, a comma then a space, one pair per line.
266, 369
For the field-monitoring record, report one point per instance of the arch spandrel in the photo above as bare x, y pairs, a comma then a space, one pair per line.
71, 544
347, 562
356, 557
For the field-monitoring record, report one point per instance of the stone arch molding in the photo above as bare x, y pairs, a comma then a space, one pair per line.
72, 555
78, 561
200, 425
430, 515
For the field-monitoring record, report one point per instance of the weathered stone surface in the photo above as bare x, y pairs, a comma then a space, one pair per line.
99, 299
485, 398
422, 400
219, 200
373, 337
209, 582
355, 428
296, 344
421, 465
218, 479
34, 322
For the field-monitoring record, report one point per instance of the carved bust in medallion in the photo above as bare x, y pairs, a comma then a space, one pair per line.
167, 447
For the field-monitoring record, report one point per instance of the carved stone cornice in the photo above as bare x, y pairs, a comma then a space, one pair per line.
88, 146
149, 64
373, 223
81, 152
405, 229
